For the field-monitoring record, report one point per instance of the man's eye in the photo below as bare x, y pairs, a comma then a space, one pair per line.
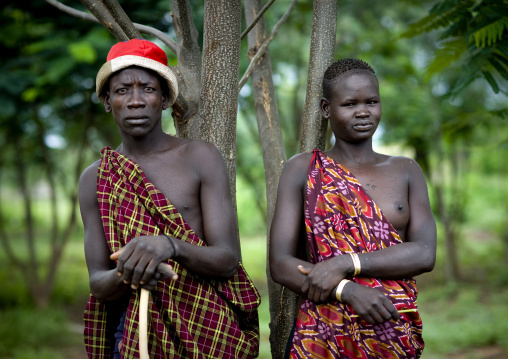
149, 89
122, 90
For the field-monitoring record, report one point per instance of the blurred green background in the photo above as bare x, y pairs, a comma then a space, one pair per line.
444, 104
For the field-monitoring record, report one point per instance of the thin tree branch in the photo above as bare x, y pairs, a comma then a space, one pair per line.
101, 12
262, 49
122, 19
256, 19
142, 28
158, 34
186, 24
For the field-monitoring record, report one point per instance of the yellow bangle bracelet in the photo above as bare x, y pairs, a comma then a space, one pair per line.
340, 288
356, 263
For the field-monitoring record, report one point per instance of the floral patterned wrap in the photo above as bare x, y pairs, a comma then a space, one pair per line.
340, 218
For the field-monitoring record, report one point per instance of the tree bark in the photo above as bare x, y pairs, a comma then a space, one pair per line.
322, 49
219, 91
115, 21
282, 302
452, 270
188, 70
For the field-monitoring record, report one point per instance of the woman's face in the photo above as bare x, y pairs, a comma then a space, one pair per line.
354, 108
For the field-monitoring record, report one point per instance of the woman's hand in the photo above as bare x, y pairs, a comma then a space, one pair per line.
323, 277
369, 303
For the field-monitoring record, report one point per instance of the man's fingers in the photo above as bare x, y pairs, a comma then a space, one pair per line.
167, 270
116, 255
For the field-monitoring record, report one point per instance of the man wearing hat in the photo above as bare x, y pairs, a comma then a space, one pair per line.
160, 199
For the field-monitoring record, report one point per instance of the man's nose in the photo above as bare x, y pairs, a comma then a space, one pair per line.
136, 98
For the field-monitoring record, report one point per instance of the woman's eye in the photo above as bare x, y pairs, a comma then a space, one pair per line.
122, 90
149, 89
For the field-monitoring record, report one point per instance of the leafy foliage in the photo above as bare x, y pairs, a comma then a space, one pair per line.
474, 41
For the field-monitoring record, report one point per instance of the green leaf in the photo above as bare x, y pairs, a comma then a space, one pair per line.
451, 52
83, 52
499, 66
491, 33
30, 94
490, 79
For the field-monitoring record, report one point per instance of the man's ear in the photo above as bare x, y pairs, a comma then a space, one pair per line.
107, 103
325, 108
165, 102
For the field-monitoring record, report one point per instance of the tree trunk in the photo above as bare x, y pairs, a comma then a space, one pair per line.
282, 302
188, 70
322, 50
452, 271
219, 91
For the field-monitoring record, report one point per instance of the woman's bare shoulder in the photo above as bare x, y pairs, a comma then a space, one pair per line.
404, 166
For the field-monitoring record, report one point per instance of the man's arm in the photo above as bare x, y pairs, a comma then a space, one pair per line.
220, 258
105, 283
138, 260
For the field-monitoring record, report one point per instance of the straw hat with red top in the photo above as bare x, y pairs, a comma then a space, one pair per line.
137, 52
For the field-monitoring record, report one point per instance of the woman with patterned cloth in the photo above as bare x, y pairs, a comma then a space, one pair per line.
351, 228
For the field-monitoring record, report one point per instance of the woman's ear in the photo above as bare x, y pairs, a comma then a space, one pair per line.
325, 108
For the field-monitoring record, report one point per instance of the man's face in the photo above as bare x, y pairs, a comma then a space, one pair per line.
135, 100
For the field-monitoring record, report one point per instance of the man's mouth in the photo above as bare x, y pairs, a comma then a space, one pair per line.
136, 120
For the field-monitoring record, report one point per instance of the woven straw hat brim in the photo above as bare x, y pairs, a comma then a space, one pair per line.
123, 62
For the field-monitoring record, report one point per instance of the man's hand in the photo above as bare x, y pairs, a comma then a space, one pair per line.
369, 303
141, 261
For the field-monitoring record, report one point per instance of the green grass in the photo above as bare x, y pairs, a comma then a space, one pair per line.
254, 261
456, 319
27, 333
462, 319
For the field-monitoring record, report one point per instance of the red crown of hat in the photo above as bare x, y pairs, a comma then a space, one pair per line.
141, 53
138, 47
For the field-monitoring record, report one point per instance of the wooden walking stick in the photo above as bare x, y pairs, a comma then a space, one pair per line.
166, 270
143, 324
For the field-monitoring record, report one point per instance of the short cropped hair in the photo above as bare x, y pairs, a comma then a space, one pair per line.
339, 69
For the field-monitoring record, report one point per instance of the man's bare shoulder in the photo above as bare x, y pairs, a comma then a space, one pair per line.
89, 174
199, 151
199, 156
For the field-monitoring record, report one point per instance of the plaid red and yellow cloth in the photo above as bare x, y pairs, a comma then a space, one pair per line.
341, 218
188, 318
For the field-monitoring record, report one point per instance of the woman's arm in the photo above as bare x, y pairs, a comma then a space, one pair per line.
414, 256
417, 254
286, 237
